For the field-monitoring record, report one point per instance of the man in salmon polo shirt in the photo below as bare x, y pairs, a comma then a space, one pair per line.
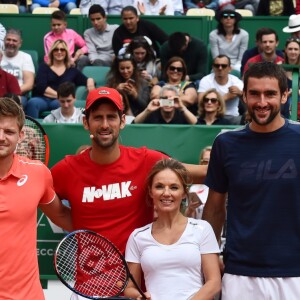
25, 185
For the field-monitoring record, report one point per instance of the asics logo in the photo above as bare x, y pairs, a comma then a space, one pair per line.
22, 180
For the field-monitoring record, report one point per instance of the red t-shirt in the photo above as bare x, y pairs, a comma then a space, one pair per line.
109, 199
258, 58
8, 84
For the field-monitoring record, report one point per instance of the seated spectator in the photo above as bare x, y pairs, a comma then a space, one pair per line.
239, 4
292, 57
144, 55
64, 5
124, 76
229, 86
58, 70
2, 36
192, 50
175, 72
133, 26
9, 83
18, 63
154, 7
212, 109
72, 38
269, 41
293, 26
67, 112
249, 53
275, 8
99, 38
198, 192
112, 7
167, 109
228, 39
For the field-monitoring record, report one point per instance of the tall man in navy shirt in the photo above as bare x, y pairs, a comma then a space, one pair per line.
258, 166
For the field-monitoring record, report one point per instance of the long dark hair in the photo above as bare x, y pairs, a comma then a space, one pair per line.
114, 77
141, 42
221, 30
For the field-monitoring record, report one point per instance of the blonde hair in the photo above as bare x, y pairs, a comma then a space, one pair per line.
221, 109
67, 60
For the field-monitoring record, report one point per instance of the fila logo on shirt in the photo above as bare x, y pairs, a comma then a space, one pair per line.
107, 192
264, 170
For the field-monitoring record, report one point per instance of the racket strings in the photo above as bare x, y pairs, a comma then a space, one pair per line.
33, 145
91, 265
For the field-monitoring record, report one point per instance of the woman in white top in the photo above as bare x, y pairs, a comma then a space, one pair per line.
178, 255
228, 38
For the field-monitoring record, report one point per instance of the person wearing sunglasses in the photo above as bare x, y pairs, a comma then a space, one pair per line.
175, 72
125, 76
229, 86
212, 109
59, 31
228, 38
49, 76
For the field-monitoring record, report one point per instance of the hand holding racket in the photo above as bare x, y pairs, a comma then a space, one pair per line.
35, 144
91, 266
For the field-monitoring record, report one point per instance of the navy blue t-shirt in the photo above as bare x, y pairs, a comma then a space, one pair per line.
261, 173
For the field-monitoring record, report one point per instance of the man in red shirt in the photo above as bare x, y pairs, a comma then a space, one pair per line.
106, 183
8, 82
268, 44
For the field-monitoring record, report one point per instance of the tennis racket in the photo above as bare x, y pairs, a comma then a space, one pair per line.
92, 266
35, 144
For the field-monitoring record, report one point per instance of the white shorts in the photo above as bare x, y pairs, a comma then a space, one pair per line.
77, 297
235, 287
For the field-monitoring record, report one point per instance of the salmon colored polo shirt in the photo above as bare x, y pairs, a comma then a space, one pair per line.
27, 184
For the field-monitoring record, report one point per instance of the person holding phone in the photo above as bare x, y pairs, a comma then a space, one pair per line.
144, 55
167, 109
124, 76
